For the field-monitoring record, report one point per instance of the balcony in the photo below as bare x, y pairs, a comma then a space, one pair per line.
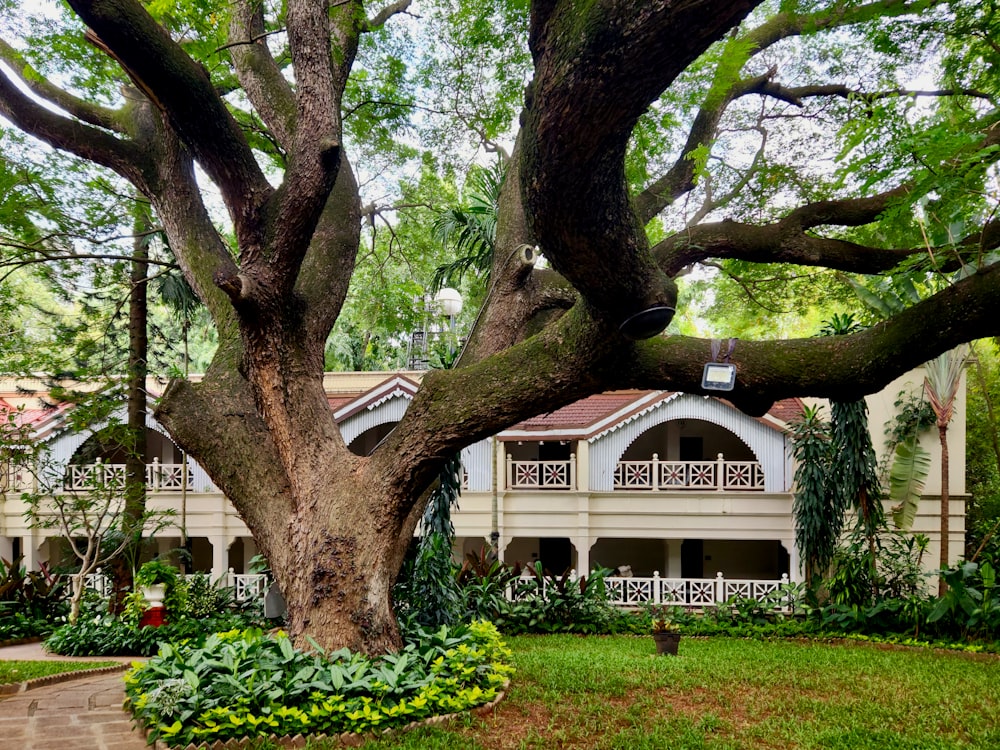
160, 477
719, 475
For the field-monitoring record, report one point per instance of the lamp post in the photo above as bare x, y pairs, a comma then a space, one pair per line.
449, 303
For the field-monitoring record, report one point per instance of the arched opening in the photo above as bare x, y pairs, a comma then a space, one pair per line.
688, 440
367, 441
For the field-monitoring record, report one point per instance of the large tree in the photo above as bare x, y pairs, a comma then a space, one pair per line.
589, 182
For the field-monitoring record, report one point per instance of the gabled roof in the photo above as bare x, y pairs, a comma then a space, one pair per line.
41, 420
593, 415
398, 386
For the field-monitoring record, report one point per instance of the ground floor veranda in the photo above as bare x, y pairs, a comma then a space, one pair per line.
673, 535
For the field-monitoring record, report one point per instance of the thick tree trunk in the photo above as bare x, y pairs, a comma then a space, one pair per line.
343, 567
333, 532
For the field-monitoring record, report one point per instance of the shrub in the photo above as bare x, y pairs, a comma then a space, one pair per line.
244, 684
109, 636
38, 595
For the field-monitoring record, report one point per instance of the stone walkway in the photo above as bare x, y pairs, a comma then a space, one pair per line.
83, 713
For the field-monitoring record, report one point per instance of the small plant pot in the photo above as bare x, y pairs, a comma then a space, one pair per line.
154, 594
666, 643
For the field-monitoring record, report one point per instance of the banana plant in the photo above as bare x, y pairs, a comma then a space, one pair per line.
910, 466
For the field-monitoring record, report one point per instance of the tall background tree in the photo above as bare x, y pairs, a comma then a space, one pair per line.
653, 138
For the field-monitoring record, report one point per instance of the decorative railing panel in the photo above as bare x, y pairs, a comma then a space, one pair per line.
541, 475
693, 593
160, 477
246, 586
720, 475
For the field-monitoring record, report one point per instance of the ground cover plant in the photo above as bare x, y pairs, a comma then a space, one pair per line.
247, 684
21, 671
606, 693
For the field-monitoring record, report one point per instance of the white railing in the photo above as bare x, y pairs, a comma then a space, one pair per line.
99, 583
541, 475
248, 585
684, 592
160, 477
719, 475
245, 585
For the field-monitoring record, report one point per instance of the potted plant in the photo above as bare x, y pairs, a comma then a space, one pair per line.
666, 631
153, 579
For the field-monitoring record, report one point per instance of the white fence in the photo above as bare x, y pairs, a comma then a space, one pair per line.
541, 475
245, 586
684, 592
622, 592
718, 475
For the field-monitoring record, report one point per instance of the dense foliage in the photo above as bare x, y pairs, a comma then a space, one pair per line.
30, 602
194, 608
245, 684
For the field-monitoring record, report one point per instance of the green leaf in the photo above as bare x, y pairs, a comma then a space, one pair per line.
907, 476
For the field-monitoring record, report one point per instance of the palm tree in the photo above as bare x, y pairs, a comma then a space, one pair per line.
944, 374
470, 229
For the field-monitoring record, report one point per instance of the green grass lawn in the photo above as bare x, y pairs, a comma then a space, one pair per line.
20, 671
613, 693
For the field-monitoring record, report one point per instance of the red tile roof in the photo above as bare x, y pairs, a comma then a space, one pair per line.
787, 409
581, 413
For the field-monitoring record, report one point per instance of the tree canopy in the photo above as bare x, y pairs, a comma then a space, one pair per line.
759, 140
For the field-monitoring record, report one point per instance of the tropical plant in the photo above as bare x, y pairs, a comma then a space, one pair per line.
971, 601
470, 230
818, 520
853, 476
943, 377
155, 572
910, 466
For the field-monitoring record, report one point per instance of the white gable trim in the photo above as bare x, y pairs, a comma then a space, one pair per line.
603, 425
767, 444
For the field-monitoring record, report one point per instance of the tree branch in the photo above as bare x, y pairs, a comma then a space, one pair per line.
379, 19
574, 139
183, 91
41, 87
679, 178
66, 134
841, 367
259, 74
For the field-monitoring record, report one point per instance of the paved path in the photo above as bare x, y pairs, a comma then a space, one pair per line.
84, 713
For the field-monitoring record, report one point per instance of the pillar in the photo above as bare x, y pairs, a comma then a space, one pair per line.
673, 558
794, 564
220, 556
582, 545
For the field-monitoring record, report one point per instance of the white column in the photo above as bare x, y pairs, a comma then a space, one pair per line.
29, 547
794, 571
674, 558
6, 548
582, 545
583, 465
220, 555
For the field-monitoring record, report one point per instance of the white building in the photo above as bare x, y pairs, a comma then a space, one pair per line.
683, 485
